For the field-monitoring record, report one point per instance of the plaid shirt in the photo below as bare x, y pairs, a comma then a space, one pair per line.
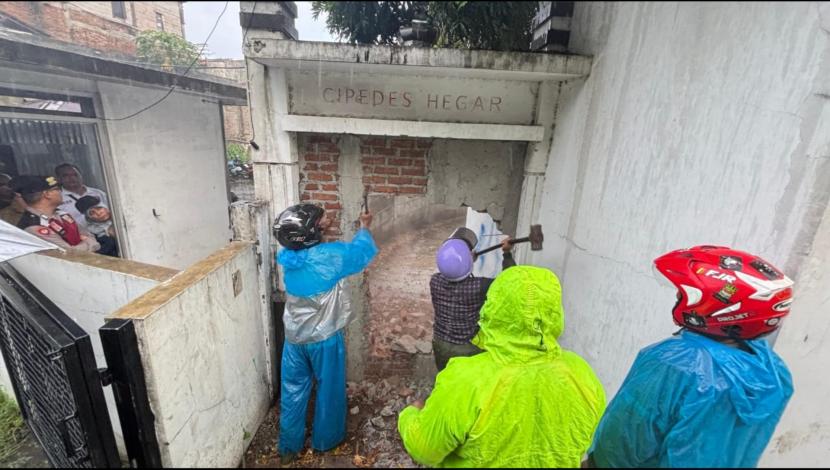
457, 304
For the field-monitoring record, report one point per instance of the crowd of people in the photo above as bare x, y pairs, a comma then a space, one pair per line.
60, 209
507, 394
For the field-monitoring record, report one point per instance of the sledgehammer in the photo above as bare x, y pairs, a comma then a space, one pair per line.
535, 238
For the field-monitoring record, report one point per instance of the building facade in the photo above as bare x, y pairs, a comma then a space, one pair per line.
105, 26
237, 118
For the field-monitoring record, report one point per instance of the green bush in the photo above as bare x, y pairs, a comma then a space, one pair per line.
159, 47
12, 428
235, 151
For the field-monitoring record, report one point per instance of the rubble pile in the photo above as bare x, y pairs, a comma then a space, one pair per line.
399, 301
372, 439
377, 435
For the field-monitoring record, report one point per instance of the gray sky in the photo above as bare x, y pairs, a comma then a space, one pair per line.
226, 41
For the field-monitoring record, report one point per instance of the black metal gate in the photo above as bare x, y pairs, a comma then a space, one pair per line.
55, 377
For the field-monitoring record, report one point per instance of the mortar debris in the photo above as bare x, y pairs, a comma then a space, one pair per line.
372, 439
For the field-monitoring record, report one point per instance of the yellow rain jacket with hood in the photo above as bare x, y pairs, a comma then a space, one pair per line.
524, 402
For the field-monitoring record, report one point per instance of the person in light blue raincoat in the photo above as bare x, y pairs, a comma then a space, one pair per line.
712, 395
317, 308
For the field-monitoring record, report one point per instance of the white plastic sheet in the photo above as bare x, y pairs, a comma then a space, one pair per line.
488, 264
15, 242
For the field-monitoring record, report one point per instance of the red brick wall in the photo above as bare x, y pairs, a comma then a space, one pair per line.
395, 165
391, 166
319, 179
91, 24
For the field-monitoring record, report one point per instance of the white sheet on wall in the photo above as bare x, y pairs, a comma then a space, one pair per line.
15, 242
489, 264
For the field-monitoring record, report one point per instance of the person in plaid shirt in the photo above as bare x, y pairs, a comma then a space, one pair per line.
457, 296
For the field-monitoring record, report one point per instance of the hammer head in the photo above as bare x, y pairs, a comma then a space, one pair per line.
536, 237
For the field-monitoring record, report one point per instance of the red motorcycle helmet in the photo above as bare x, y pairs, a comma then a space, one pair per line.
725, 292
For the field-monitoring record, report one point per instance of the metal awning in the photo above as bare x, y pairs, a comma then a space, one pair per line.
21, 50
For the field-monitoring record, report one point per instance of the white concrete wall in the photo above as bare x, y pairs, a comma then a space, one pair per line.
803, 435
204, 356
486, 176
87, 293
699, 124
171, 159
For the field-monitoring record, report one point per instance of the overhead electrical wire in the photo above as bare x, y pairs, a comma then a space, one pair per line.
170, 91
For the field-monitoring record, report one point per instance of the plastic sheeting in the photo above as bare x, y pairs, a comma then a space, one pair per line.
15, 242
325, 361
524, 402
317, 269
316, 305
316, 317
691, 401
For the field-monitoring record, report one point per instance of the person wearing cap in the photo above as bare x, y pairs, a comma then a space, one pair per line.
42, 196
73, 189
11, 204
457, 296
98, 221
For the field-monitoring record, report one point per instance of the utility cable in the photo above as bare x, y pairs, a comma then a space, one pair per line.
170, 91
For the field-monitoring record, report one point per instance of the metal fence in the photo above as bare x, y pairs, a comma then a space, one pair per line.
55, 378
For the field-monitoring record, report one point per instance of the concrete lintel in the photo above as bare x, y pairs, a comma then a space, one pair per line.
439, 130
326, 56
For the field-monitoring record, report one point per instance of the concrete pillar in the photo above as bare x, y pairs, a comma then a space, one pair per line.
276, 172
350, 169
552, 26
251, 223
536, 164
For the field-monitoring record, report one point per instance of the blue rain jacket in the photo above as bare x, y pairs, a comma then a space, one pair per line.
691, 401
317, 269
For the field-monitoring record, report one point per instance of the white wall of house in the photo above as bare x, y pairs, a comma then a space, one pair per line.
205, 360
169, 159
87, 291
699, 124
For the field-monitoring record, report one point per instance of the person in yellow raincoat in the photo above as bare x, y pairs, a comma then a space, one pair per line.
524, 401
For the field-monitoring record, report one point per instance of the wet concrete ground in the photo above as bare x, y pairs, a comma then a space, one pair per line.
27, 455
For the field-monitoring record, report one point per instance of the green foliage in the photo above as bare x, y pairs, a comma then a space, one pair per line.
500, 26
12, 429
459, 24
159, 47
235, 151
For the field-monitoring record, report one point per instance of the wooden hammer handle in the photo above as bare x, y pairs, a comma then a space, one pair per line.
494, 247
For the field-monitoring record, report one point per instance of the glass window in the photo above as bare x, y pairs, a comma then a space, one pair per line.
118, 10
159, 21
37, 146
45, 103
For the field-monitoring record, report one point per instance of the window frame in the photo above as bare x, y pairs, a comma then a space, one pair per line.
159, 21
87, 104
123, 9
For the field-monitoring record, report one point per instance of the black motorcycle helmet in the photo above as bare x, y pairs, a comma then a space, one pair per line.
296, 227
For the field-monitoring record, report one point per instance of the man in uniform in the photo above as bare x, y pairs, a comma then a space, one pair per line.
42, 196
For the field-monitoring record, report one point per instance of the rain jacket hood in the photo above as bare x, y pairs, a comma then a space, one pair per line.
522, 317
524, 401
729, 398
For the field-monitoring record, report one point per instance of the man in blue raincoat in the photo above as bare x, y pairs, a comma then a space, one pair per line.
317, 308
712, 396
